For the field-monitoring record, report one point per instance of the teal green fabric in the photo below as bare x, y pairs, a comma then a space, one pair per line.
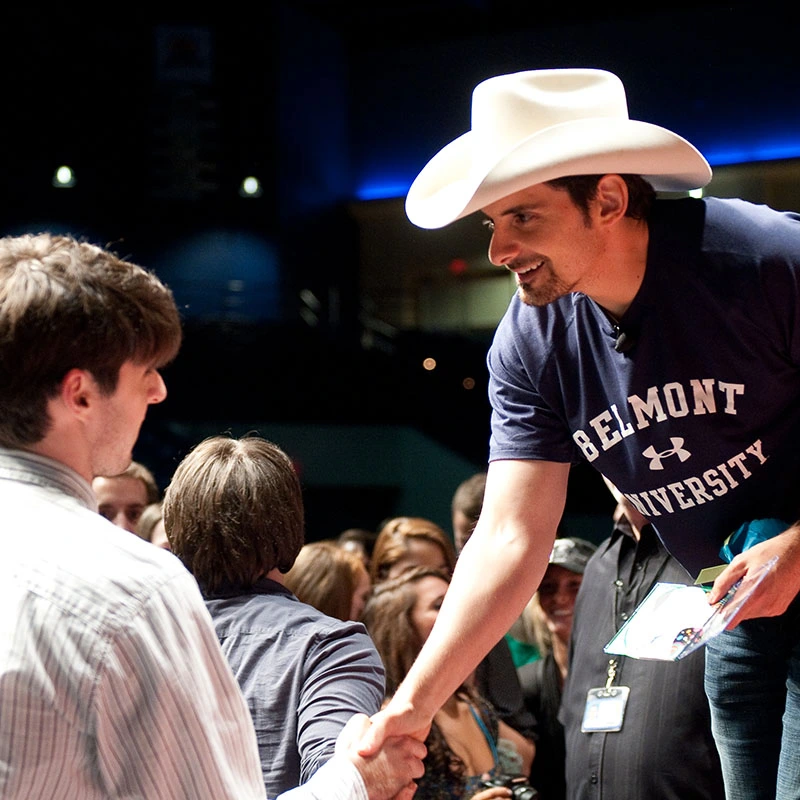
744, 537
522, 652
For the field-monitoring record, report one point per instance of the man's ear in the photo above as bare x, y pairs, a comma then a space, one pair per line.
611, 199
78, 391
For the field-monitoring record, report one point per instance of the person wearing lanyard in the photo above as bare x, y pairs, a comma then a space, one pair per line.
654, 736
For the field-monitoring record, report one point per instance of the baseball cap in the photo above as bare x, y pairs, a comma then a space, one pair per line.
572, 553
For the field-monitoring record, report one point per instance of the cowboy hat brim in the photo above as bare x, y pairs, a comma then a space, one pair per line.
456, 183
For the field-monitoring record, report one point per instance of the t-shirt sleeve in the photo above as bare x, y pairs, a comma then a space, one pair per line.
344, 677
524, 425
171, 721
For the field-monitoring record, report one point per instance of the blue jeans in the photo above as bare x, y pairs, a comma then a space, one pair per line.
752, 680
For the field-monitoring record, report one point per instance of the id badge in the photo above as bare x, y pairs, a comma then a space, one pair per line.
605, 709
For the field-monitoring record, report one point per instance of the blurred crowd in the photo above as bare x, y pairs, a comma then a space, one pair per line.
317, 631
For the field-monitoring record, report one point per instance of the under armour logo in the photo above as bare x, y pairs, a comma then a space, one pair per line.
657, 458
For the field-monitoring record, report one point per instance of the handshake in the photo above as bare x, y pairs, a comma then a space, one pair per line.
389, 773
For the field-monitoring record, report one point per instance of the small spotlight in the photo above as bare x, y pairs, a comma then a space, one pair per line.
468, 383
696, 193
429, 364
250, 187
63, 177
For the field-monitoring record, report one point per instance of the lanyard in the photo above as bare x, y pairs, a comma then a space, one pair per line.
615, 664
612, 672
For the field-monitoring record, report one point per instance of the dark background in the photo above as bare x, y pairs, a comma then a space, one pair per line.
331, 105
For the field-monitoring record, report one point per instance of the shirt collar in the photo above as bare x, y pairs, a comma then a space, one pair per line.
260, 586
37, 470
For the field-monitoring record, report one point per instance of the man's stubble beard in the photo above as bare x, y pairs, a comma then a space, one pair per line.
543, 295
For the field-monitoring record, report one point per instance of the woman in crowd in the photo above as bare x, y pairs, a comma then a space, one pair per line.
467, 744
330, 578
405, 542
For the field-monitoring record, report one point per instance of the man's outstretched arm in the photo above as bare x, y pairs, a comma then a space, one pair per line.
497, 572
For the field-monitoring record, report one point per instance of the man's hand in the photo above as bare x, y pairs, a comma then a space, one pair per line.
389, 772
396, 719
778, 589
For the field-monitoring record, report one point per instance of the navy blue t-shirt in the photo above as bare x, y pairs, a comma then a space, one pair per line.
699, 422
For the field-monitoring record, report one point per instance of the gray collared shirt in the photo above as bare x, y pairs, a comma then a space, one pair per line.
302, 673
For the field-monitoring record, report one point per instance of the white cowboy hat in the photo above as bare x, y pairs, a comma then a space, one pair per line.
531, 127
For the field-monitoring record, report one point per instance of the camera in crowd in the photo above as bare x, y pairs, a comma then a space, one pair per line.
520, 788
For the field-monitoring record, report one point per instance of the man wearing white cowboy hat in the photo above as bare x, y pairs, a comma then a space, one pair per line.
658, 340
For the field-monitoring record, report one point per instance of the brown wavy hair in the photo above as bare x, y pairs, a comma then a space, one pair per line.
325, 576
388, 619
393, 540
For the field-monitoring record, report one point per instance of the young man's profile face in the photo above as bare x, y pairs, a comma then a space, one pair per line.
114, 425
117, 418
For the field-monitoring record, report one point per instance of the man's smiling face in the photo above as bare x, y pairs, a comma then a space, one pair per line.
541, 236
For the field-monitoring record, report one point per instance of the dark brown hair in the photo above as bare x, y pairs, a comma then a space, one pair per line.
234, 511
388, 618
68, 305
582, 189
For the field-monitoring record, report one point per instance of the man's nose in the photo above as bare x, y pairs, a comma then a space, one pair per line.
502, 249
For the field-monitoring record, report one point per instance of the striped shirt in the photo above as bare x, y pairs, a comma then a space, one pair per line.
112, 683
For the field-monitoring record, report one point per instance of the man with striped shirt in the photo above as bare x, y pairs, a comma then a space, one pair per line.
112, 683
